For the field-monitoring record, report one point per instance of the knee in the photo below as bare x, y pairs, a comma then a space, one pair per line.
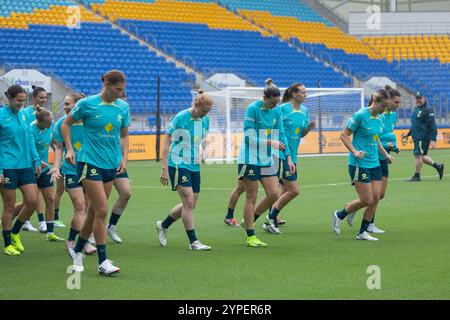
367, 200
125, 195
381, 196
49, 199
240, 190
251, 196
188, 202
79, 206
375, 198
294, 192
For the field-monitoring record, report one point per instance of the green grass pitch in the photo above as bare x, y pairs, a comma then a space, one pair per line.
308, 261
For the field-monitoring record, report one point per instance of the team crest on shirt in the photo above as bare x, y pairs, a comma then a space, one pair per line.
297, 131
109, 127
376, 137
119, 117
77, 145
196, 138
268, 131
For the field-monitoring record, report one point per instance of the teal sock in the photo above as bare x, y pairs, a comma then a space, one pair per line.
113, 219
80, 244
101, 251
72, 234
364, 226
168, 222
17, 226
7, 237
230, 213
191, 235
41, 217
273, 213
57, 214
255, 217
342, 214
250, 232
50, 226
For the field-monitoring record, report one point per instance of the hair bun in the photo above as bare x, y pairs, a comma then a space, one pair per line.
268, 82
33, 87
201, 91
387, 87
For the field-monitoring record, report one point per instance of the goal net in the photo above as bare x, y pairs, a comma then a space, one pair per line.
329, 107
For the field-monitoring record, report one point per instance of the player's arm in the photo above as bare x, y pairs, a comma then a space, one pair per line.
124, 146
383, 152
34, 155
346, 139
165, 159
55, 172
65, 130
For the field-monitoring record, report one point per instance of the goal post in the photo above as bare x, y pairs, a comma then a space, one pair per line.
329, 107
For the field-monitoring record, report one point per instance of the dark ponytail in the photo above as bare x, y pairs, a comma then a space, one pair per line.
13, 91
294, 88
37, 91
392, 92
379, 96
113, 77
42, 114
77, 96
271, 90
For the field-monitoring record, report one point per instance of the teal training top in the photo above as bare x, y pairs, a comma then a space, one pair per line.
366, 131
261, 124
43, 140
102, 122
389, 120
295, 123
17, 147
77, 135
187, 135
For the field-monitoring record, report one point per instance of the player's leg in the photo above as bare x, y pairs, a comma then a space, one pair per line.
369, 213
234, 198
48, 194
9, 202
30, 195
58, 195
123, 188
363, 189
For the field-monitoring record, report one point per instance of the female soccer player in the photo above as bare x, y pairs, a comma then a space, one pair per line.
123, 187
39, 100
105, 118
42, 131
296, 125
263, 139
389, 143
79, 199
19, 162
366, 127
181, 159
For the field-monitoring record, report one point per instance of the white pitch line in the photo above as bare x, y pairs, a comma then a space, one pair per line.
301, 186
